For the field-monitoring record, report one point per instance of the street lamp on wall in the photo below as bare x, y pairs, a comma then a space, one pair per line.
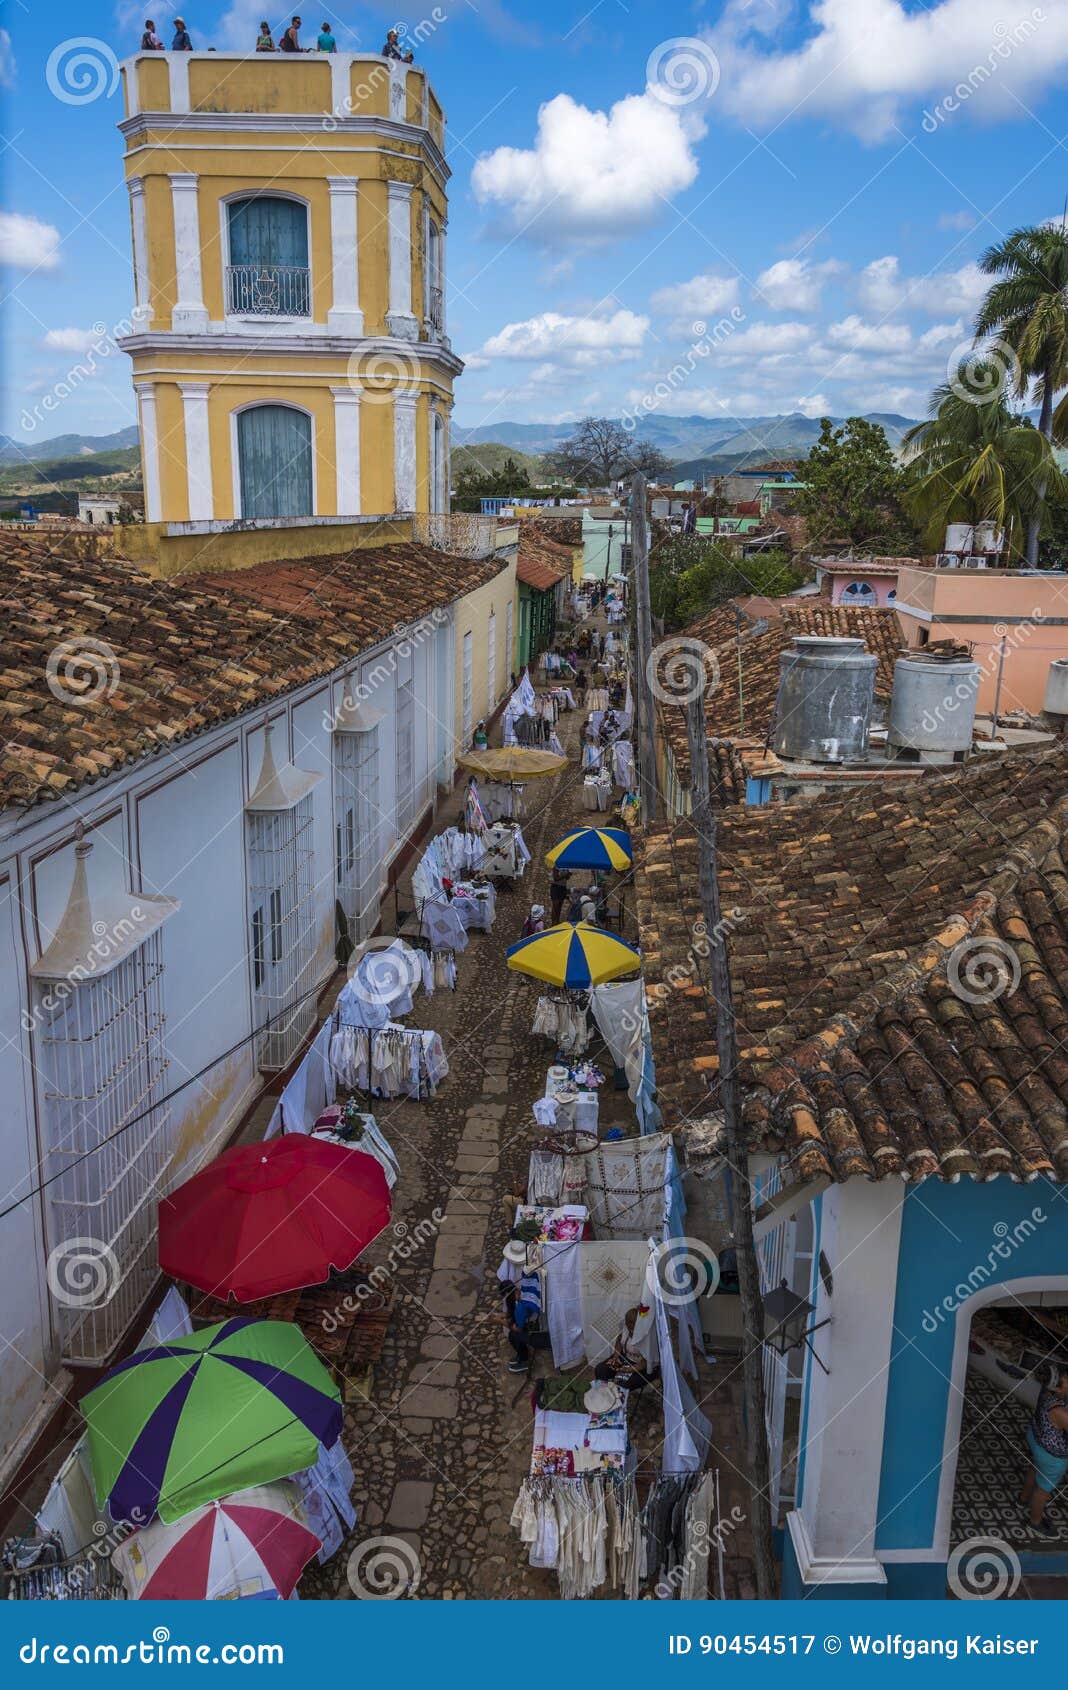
785, 1323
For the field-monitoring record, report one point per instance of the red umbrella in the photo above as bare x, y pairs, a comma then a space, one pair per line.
252, 1543
272, 1217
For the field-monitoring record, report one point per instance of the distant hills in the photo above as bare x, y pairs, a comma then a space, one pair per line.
689, 440
64, 446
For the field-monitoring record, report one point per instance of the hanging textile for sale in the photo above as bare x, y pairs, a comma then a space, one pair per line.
612, 1279
443, 925
587, 1529
389, 1061
474, 814
326, 1498
686, 1430
545, 1176
563, 1300
624, 1187
623, 763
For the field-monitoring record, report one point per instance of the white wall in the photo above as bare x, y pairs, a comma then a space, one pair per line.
174, 826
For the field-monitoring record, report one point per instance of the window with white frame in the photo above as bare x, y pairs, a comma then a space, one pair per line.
281, 903
106, 1128
405, 717
469, 689
356, 822
491, 663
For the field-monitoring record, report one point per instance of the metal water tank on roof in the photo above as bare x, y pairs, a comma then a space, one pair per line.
1056, 704
826, 691
932, 711
960, 537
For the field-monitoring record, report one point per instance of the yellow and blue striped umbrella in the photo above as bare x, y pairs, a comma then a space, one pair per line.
592, 847
575, 954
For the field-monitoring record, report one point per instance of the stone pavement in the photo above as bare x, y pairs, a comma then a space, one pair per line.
442, 1446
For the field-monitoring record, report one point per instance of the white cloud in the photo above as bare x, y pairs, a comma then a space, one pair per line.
767, 341
860, 62
962, 220
860, 336
575, 341
814, 405
793, 284
882, 288
698, 299
70, 340
26, 243
590, 175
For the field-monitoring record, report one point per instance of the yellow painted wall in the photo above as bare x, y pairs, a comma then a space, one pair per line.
153, 84
164, 555
275, 83
472, 615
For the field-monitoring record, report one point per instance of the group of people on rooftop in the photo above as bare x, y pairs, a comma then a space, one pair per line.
288, 42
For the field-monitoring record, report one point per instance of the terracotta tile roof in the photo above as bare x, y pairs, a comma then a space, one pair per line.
171, 658
542, 562
867, 565
870, 1041
759, 679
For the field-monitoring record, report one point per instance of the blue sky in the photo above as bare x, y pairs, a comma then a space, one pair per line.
810, 182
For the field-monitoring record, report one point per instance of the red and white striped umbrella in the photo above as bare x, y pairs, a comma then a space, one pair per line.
252, 1543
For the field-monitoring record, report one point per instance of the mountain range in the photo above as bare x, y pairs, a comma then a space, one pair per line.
64, 446
688, 437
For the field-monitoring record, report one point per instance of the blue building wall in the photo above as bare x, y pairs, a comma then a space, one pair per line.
955, 1239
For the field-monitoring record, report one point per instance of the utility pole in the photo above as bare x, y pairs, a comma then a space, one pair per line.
730, 1097
645, 718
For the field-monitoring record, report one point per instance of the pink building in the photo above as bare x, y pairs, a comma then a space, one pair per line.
870, 581
1014, 619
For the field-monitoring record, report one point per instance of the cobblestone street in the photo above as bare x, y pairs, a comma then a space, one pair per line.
440, 1450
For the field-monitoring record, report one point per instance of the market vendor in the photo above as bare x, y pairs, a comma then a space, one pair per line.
626, 1366
522, 1308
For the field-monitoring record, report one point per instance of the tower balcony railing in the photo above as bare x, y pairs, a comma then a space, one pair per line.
460, 533
268, 290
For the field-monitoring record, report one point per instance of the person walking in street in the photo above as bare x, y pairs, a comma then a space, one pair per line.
1047, 1441
535, 922
182, 42
558, 894
150, 41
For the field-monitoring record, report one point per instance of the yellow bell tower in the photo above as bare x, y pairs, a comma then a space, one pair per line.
289, 347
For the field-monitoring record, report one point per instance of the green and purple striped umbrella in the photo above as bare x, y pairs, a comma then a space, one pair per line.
183, 1423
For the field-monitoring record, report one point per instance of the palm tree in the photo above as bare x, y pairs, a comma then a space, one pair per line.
1027, 307
973, 462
